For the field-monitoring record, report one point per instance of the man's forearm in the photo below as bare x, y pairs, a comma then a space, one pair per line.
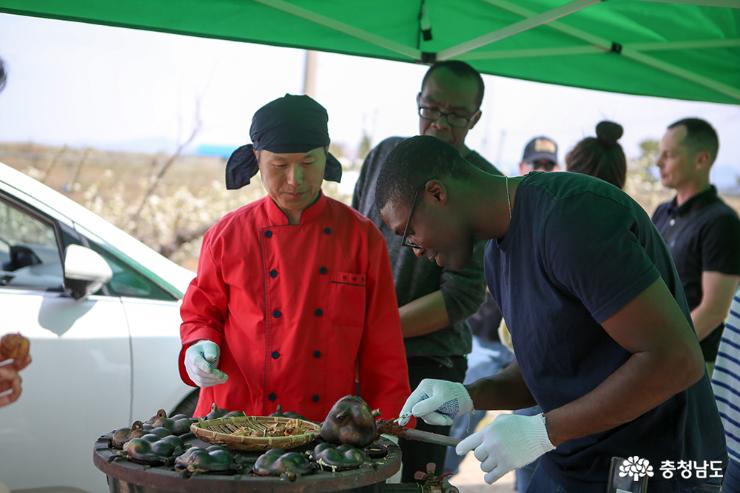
424, 315
504, 390
705, 321
641, 384
717, 291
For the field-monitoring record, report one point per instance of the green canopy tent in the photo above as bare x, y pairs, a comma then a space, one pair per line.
683, 49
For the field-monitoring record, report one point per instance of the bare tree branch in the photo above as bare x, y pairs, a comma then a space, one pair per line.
70, 187
183, 238
53, 162
169, 162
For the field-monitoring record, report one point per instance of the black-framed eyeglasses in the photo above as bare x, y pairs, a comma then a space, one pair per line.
454, 120
405, 238
543, 164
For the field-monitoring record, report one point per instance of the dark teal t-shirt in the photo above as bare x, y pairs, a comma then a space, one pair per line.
578, 250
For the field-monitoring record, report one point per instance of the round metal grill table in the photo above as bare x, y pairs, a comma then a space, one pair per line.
125, 476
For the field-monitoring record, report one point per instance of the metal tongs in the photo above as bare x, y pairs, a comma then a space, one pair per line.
393, 427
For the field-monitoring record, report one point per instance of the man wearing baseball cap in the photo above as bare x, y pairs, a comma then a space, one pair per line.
540, 154
294, 293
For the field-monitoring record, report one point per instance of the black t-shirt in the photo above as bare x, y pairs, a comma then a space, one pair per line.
703, 234
577, 251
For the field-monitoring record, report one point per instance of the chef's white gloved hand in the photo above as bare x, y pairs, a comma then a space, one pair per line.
201, 360
437, 402
510, 442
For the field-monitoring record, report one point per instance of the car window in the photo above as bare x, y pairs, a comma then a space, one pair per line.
29, 252
128, 282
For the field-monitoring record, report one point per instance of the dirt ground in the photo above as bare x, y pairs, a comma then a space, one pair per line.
470, 477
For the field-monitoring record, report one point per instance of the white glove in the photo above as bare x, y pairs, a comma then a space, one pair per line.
437, 402
510, 442
201, 360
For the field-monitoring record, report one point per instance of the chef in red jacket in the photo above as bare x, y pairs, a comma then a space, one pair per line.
294, 294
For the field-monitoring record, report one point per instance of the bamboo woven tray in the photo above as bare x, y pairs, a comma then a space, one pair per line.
221, 431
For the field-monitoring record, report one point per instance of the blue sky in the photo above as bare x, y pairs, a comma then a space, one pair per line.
80, 84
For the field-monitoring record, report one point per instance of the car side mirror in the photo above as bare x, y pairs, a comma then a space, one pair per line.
85, 271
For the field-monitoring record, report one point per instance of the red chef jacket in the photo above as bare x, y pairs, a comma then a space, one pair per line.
298, 311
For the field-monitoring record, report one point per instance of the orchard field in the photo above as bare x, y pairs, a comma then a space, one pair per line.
169, 201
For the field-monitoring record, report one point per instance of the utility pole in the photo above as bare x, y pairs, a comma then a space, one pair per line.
500, 154
309, 74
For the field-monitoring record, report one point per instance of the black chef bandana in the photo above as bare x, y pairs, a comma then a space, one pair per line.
285, 125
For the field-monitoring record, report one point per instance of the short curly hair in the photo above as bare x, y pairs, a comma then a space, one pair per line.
412, 163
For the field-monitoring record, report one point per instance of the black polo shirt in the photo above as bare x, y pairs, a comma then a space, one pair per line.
703, 234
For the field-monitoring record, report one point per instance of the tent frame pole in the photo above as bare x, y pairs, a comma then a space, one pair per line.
632, 54
732, 4
590, 50
530, 22
697, 44
682, 73
343, 28
531, 53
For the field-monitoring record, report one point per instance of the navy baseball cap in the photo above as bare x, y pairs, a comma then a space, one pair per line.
540, 148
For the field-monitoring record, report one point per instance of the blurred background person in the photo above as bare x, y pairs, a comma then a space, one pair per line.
540, 154
601, 156
700, 229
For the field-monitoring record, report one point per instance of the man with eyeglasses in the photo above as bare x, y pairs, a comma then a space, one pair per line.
598, 318
434, 302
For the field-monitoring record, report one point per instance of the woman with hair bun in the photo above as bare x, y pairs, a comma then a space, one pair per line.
601, 156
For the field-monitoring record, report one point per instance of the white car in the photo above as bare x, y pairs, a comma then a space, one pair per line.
102, 312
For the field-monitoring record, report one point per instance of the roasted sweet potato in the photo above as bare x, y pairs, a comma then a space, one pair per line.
350, 421
14, 346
